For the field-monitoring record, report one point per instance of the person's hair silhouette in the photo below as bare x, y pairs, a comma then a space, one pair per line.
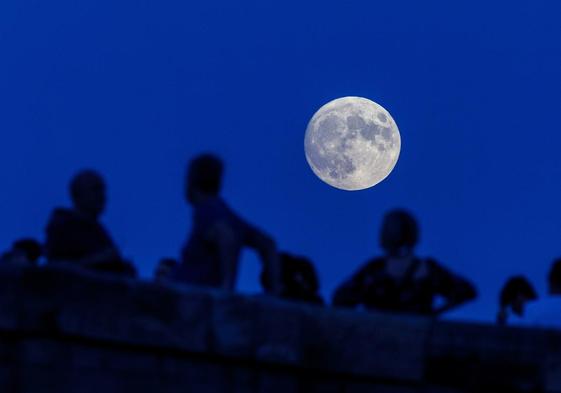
400, 281
204, 178
76, 235
210, 256
514, 295
299, 279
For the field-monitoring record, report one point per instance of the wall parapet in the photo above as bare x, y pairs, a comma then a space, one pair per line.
65, 330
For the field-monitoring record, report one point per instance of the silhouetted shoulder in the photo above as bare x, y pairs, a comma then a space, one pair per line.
71, 236
61, 216
377, 264
436, 268
370, 271
442, 274
353, 291
61, 221
449, 284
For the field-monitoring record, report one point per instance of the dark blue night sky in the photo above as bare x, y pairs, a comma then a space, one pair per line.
136, 88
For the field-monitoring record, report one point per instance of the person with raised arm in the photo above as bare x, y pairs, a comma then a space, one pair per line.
211, 254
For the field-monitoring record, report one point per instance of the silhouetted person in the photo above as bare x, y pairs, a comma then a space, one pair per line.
515, 294
299, 279
165, 270
75, 235
24, 252
546, 311
400, 281
211, 254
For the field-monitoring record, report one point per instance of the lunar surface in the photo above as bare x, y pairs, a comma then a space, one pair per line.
352, 143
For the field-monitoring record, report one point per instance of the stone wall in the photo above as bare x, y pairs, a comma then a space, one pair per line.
68, 331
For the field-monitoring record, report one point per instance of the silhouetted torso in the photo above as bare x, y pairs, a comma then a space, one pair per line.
71, 237
201, 259
373, 287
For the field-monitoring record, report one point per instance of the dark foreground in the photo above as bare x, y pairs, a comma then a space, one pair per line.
66, 331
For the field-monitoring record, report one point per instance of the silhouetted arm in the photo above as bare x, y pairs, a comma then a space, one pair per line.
455, 289
267, 251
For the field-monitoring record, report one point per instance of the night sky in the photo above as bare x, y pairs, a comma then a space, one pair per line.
136, 88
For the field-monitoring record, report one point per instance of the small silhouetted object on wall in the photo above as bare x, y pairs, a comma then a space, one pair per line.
24, 252
211, 255
76, 236
514, 296
299, 280
400, 281
165, 270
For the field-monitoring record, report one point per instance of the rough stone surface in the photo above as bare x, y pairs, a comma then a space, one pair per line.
63, 330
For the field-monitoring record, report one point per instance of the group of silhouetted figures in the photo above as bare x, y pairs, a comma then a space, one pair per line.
398, 281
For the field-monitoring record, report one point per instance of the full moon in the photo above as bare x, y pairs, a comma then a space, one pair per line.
352, 143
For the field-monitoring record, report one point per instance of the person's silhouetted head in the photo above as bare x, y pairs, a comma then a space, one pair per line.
515, 293
30, 248
299, 279
204, 178
24, 252
554, 278
88, 193
399, 233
